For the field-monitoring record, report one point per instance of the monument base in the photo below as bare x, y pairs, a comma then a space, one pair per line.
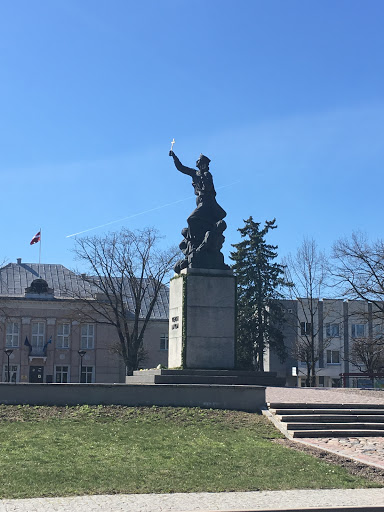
202, 313
212, 377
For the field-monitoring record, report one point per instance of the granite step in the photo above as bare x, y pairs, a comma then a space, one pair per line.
203, 379
201, 371
332, 412
315, 405
326, 418
334, 426
336, 433
197, 376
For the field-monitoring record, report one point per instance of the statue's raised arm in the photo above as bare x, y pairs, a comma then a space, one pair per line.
180, 167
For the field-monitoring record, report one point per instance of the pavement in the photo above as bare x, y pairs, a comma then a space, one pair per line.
366, 450
360, 499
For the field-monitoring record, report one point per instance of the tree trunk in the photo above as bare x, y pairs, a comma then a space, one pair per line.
308, 379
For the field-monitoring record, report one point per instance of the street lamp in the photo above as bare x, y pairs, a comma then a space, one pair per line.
8, 352
81, 354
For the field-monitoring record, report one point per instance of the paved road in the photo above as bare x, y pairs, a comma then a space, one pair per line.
369, 450
201, 501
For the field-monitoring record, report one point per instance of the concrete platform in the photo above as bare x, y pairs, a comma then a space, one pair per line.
203, 376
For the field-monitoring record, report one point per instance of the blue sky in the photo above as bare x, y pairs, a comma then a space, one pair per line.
285, 96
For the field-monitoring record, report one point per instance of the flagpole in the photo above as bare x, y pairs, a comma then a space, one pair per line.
40, 253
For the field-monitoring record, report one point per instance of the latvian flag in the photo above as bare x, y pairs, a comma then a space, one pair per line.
36, 238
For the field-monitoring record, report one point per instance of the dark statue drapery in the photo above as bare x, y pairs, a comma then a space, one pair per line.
203, 238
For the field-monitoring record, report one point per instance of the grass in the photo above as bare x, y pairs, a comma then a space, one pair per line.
52, 451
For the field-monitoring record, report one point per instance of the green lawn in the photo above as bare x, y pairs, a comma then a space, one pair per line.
49, 451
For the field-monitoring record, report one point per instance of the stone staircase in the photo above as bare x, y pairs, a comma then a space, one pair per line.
327, 420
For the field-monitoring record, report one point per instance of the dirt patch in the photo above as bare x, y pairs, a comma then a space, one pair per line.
353, 467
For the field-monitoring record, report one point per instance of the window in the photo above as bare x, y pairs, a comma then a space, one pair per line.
62, 340
87, 374
321, 381
332, 330
13, 373
12, 338
164, 342
38, 332
305, 328
62, 374
333, 356
87, 336
358, 330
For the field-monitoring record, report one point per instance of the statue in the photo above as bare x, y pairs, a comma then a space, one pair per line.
203, 238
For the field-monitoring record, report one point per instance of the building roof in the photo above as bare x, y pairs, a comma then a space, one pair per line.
16, 277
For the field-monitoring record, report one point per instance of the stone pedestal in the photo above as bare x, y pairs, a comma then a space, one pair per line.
202, 316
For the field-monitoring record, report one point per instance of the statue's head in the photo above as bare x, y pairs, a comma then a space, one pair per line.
203, 162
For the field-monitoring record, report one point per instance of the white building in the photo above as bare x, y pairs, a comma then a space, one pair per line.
335, 324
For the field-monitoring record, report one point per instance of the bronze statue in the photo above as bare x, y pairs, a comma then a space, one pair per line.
203, 239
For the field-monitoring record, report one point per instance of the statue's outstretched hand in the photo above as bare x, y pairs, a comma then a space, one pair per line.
171, 153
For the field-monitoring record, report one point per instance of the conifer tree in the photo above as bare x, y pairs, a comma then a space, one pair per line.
260, 281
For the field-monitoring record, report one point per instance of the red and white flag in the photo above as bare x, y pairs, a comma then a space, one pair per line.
35, 239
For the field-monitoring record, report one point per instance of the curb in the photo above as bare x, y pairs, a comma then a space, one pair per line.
265, 412
315, 509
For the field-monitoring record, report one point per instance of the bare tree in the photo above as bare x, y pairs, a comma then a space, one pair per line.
126, 272
367, 355
309, 273
360, 272
360, 269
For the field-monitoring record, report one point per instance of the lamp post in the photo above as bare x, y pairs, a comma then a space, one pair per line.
81, 354
8, 352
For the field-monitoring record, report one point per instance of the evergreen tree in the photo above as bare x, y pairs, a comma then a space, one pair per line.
259, 285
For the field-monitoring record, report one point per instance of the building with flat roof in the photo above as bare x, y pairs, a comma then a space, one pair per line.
42, 329
336, 325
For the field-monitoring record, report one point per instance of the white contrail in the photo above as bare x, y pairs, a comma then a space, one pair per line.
142, 213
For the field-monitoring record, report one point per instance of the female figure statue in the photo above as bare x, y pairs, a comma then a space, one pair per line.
203, 238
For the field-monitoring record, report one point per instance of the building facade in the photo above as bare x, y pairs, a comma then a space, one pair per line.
336, 325
45, 336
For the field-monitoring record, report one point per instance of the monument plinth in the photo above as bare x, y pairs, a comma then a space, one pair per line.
202, 312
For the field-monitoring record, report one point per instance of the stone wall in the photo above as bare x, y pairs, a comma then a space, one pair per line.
242, 398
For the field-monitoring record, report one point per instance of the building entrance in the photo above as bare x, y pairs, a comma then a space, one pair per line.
36, 374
